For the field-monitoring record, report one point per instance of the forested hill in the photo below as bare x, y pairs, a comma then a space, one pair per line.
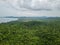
30, 33
26, 19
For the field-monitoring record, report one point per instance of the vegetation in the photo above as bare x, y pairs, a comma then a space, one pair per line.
30, 33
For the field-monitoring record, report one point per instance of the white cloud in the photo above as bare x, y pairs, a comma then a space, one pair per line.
30, 7
35, 4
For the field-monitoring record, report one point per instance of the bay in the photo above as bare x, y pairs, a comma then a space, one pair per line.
5, 20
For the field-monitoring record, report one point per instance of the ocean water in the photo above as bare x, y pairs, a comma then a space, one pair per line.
4, 20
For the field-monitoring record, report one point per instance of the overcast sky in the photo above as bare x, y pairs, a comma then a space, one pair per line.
29, 7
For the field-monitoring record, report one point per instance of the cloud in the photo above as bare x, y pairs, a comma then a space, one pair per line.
35, 5
30, 7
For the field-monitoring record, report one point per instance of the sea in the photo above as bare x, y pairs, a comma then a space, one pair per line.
5, 20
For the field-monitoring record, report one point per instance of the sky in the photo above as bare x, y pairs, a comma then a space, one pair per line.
30, 8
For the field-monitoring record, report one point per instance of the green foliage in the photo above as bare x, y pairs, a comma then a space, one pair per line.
30, 33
